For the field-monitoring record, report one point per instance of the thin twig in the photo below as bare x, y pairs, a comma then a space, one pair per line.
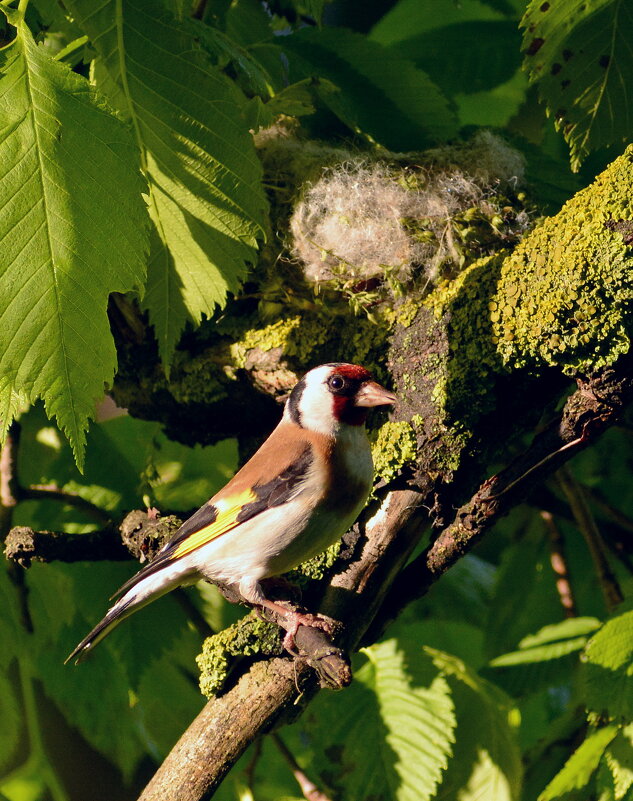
559, 564
51, 492
249, 772
577, 500
309, 789
9, 487
614, 535
608, 510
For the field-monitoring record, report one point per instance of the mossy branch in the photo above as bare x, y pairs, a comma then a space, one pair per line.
595, 406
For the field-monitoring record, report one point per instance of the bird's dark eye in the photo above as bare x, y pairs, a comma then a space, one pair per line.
336, 382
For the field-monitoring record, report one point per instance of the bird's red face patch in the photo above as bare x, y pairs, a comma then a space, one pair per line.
344, 408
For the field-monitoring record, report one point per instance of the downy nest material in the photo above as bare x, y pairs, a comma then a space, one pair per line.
363, 219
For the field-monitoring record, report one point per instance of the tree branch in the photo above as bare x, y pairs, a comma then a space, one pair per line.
275, 691
559, 564
139, 535
309, 789
587, 525
588, 412
24, 546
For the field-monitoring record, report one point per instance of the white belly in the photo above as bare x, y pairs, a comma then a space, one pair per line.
282, 537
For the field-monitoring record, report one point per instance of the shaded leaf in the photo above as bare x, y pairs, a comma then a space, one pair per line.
382, 95
464, 592
162, 723
205, 195
525, 596
80, 691
580, 55
486, 763
226, 51
247, 22
466, 56
11, 720
63, 156
409, 18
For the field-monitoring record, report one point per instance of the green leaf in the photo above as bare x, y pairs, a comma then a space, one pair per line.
409, 18
551, 642
382, 95
205, 195
525, 596
608, 660
106, 692
12, 632
579, 53
247, 22
225, 51
619, 760
93, 697
162, 723
466, 56
63, 156
581, 765
389, 735
464, 592
11, 713
486, 763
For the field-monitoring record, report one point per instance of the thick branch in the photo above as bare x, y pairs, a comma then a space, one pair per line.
275, 691
595, 406
24, 546
139, 535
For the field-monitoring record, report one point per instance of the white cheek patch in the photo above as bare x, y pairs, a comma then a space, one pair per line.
316, 402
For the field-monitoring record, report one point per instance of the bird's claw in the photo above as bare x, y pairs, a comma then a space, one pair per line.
303, 619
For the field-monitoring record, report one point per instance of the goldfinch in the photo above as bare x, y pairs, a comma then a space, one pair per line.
297, 495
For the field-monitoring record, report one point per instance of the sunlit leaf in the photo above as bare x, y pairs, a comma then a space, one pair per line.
205, 194
581, 765
608, 666
63, 156
390, 734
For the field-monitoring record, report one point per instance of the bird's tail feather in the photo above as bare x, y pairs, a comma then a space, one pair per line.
144, 590
113, 617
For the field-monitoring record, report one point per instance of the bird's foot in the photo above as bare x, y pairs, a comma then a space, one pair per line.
293, 619
297, 619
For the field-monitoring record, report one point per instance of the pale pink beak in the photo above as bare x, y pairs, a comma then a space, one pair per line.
372, 394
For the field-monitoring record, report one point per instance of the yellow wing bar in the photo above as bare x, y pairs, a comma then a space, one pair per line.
228, 510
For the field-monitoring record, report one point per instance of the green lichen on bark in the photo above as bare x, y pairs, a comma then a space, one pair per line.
393, 446
444, 365
317, 567
247, 637
564, 295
